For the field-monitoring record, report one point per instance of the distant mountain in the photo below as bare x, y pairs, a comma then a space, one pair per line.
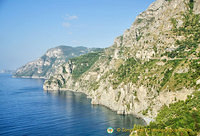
6, 71
152, 70
155, 62
46, 65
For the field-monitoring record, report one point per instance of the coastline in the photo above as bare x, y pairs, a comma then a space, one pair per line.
146, 120
29, 77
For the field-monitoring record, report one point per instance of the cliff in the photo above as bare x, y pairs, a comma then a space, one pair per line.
45, 66
154, 63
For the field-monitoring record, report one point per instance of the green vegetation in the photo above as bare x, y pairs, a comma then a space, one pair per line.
83, 63
126, 72
181, 118
169, 72
59, 83
151, 19
190, 30
94, 86
144, 112
139, 20
195, 67
42, 70
182, 115
161, 77
138, 37
155, 49
128, 106
64, 70
72, 52
118, 96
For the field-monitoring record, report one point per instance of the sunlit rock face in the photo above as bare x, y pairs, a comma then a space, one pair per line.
45, 66
145, 68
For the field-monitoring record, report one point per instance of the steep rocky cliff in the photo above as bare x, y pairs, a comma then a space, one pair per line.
154, 63
46, 65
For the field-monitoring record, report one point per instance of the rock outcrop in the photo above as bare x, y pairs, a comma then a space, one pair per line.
45, 66
154, 63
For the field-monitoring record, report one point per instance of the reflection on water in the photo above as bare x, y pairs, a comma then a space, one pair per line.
27, 110
110, 118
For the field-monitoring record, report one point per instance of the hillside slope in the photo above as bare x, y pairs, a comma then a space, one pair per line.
181, 118
154, 63
46, 65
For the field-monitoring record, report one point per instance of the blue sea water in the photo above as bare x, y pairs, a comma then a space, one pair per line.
27, 110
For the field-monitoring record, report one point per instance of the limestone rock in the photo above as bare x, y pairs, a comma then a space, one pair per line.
147, 42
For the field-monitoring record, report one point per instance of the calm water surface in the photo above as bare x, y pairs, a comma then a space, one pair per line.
26, 110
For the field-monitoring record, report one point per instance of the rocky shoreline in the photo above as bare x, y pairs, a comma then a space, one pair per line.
144, 69
146, 120
138, 73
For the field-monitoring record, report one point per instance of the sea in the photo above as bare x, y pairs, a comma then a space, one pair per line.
27, 110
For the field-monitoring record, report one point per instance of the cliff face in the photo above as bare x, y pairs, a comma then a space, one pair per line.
154, 63
45, 66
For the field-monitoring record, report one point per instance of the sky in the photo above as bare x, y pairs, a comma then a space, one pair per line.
28, 28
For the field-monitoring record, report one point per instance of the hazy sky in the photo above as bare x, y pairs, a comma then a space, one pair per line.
29, 27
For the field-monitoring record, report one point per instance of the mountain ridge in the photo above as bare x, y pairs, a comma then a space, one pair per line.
46, 65
128, 78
